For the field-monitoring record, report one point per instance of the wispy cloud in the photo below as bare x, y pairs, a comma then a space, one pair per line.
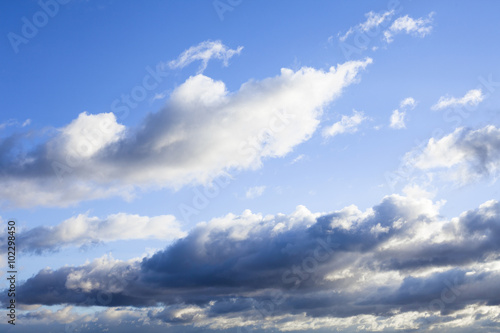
373, 20
255, 192
204, 52
472, 98
347, 124
417, 27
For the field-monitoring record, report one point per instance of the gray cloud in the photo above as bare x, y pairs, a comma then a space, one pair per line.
467, 155
397, 259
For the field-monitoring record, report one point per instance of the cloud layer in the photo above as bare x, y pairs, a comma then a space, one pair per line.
203, 131
396, 262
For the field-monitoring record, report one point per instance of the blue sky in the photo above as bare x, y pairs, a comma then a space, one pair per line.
169, 154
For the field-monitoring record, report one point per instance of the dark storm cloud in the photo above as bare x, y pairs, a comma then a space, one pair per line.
323, 266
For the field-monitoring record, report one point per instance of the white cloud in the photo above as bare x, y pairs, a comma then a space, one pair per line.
472, 98
205, 51
417, 27
397, 120
408, 102
203, 131
345, 125
255, 192
87, 135
26, 122
298, 158
85, 230
468, 155
373, 20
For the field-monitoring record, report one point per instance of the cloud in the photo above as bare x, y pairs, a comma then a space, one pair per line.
298, 158
205, 51
472, 98
373, 20
398, 262
467, 155
203, 131
417, 27
255, 192
84, 230
397, 120
345, 125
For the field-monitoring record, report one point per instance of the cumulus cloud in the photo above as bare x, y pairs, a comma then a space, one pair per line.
203, 131
84, 230
347, 124
373, 20
397, 120
205, 51
398, 264
472, 98
255, 192
466, 155
417, 27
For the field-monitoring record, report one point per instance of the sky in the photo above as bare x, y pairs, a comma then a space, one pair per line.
250, 166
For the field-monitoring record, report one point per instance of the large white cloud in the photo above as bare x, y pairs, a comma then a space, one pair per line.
202, 131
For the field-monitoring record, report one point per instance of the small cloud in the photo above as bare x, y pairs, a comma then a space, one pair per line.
472, 98
205, 51
345, 125
8, 123
26, 122
255, 192
417, 27
298, 158
408, 102
161, 95
397, 120
373, 20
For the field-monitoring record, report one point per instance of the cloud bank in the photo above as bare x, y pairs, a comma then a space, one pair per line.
398, 264
203, 131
